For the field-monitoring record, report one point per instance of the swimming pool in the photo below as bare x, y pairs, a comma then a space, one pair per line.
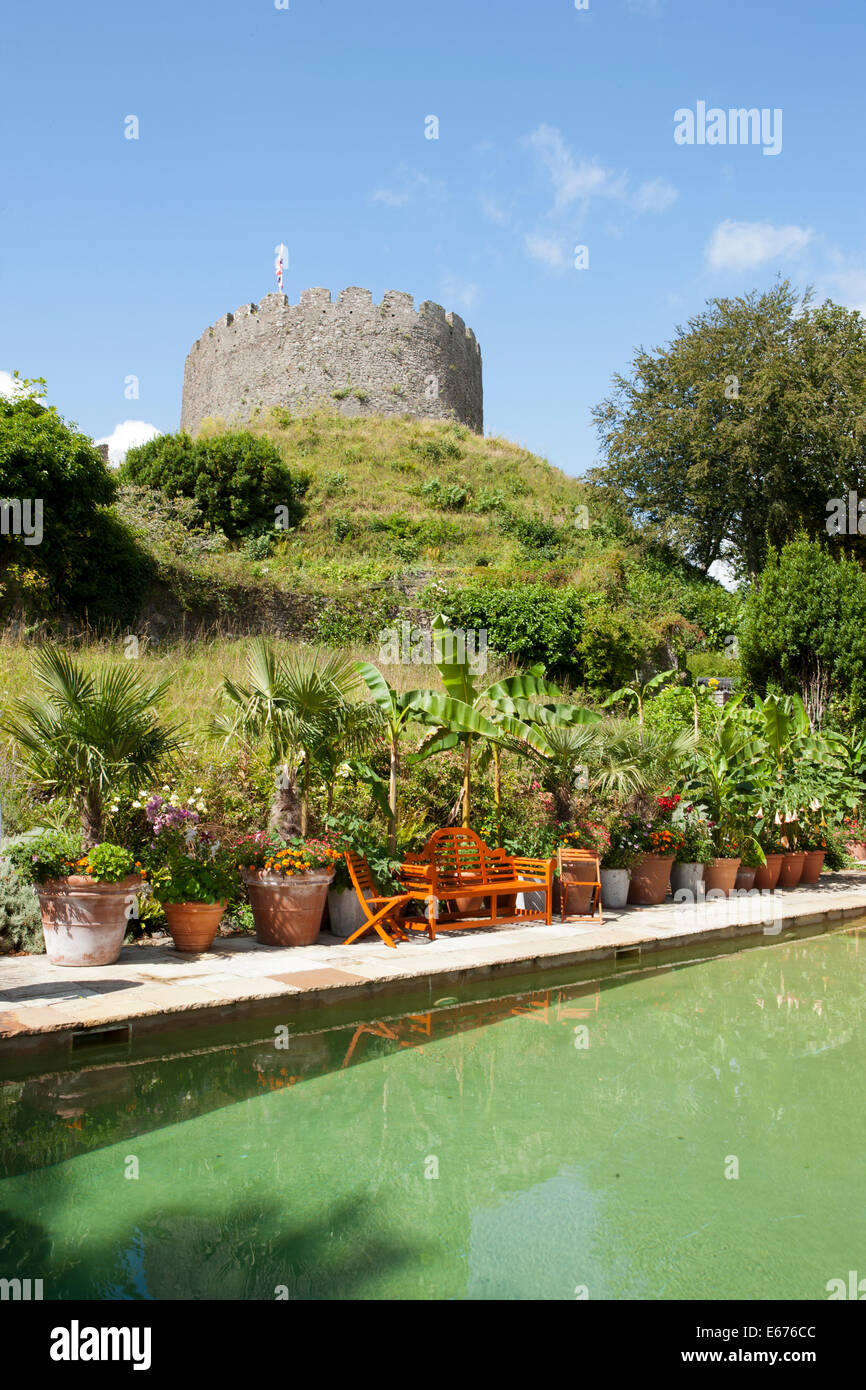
676, 1133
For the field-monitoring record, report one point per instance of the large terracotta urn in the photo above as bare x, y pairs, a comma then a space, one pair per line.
812, 865
767, 875
650, 877
193, 926
84, 922
287, 910
792, 868
721, 876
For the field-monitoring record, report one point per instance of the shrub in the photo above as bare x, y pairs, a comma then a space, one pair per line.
530, 622
238, 479
20, 918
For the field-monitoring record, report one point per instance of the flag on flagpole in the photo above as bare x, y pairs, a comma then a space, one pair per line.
279, 264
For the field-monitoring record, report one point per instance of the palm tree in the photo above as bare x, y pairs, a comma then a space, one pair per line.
611, 757
83, 735
291, 711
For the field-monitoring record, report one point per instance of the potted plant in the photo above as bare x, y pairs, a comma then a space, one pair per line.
793, 857
595, 840
769, 836
616, 864
751, 859
814, 840
190, 875
537, 840
287, 882
658, 844
695, 851
721, 872
86, 896
345, 832
855, 837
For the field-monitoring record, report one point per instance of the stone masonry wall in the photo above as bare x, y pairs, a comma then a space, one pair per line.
356, 357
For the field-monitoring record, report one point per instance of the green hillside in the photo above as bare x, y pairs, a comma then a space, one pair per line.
400, 517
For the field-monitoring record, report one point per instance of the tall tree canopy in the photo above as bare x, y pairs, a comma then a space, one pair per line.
740, 431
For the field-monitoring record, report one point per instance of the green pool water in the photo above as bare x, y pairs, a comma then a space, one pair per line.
539, 1145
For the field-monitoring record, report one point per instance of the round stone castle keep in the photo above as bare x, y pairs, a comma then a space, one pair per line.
354, 356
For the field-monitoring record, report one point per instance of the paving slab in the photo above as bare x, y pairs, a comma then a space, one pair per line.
153, 982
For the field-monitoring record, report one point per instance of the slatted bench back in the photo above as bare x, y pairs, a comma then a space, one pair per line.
459, 857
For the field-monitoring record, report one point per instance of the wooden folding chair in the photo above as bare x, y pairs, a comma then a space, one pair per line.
380, 912
583, 869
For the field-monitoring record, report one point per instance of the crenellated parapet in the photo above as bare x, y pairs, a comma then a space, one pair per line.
357, 357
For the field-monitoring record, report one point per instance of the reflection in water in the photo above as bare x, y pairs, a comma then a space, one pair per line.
518, 1147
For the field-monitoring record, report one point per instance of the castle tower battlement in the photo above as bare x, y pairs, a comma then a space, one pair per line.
357, 357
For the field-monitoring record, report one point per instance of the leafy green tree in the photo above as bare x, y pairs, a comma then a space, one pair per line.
86, 558
741, 429
237, 479
85, 734
804, 628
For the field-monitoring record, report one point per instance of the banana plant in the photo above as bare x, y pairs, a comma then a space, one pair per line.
496, 713
397, 710
636, 693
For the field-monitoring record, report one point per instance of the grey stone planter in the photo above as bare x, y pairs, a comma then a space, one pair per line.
345, 912
686, 876
614, 887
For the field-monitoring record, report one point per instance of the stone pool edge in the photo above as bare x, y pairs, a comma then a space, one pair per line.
207, 998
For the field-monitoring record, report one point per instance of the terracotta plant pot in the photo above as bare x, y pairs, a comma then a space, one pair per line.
579, 895
721, 875
83, 922
193, 926
767, 875
686, 877
856, 848
813, 865
287, 911
650, 876
745, 880
614, 887
792, 868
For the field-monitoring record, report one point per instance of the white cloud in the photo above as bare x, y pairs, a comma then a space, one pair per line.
492, 209
125, 436
656, 195
9, 386
571, 180
546, 250
389, 198
462, 293
851, 288
743, 245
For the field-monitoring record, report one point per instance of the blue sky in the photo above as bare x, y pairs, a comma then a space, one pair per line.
306, 125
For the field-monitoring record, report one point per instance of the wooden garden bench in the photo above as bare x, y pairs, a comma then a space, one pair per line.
457, 867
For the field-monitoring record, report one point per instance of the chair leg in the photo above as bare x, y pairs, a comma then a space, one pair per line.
375, 922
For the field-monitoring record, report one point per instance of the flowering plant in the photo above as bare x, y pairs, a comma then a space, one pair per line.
667, 803
588, 836
59, 855
661, 839
288, 857
623, 847
697, 836
185, 864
